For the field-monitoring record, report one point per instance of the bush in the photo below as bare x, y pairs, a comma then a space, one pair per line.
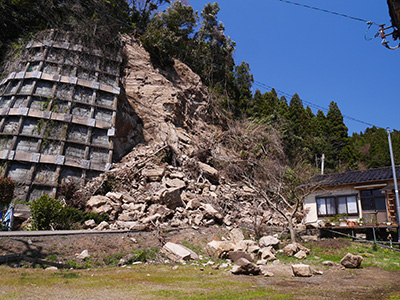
7, 187
49, 213
46, 212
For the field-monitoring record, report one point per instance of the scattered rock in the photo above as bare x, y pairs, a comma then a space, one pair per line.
351, 261
301, 255
236, 255
84, 254
301, 270
267, 253
329, 263
236, 235
245, 267
180, 251
102, 226
267, 241
219, 249
89, 224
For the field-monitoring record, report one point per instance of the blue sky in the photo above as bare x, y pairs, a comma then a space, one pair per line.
320, 56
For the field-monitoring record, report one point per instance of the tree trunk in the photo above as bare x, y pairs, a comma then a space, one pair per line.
291, 231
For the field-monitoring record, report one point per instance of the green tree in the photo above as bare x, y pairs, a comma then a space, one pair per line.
337, 137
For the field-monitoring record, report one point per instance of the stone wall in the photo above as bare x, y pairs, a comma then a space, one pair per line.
58, 109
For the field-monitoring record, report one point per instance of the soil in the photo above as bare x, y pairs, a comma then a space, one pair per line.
335, 283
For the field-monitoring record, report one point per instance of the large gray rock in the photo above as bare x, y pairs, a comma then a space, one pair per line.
236, 255
211, 212
245, 267
180, 251
209, 172
301, 270
269, 240
97, 201
267, 253
293, 248
219, 249
171, 198
301, 254
351, 261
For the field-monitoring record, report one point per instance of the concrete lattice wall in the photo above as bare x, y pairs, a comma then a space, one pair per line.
57, 114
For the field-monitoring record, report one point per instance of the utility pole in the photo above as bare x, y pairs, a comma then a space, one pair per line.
396, 190
322, 164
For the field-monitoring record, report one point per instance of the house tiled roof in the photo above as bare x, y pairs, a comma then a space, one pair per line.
357, 177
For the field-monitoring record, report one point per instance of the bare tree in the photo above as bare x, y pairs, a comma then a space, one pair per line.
257, 158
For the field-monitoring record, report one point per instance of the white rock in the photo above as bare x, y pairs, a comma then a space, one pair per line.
84, 254
301, 270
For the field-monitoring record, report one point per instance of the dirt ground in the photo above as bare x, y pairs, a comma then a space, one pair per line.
335, 283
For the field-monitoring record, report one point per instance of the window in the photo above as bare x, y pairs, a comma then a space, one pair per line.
373, 200
334, 205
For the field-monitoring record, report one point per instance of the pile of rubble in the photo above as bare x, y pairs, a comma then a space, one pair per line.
152, 193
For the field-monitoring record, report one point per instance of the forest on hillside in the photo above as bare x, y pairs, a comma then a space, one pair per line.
171, 29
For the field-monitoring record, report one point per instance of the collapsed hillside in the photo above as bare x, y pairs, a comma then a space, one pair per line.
168, 180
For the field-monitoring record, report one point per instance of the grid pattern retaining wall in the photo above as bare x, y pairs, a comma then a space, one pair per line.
57, 114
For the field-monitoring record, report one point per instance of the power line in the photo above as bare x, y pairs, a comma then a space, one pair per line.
313, 105
329, 11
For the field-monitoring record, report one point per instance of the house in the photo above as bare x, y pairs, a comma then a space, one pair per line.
353, 198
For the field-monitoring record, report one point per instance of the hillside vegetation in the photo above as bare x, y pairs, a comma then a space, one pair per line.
171, 30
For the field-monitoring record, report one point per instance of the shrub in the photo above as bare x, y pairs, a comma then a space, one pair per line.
7, 187
45, 212
49, 213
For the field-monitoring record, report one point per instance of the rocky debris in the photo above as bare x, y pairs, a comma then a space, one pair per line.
329, 263
267, 253
351, 261
89, 224
84, 254
236, 255
245, 267
219, 249
179, 251
265, 272
294, 248
301, 254
102, 226
267, 241
302, 270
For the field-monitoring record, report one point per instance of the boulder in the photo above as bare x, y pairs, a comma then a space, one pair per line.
218, 249
265, 272
236, 235
89, 224
102, 226
293, 248
84, 254
97, 201
236, 255
211, 212
245, 267
193, 204
329, 263
301, 270
155, 174
180, 251
351, 261
171, 197
175, 183
301, 254
267, 253
209, 172
267, 241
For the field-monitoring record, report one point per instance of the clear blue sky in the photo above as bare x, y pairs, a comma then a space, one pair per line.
320, 56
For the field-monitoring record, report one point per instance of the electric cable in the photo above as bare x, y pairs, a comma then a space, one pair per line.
328, 11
